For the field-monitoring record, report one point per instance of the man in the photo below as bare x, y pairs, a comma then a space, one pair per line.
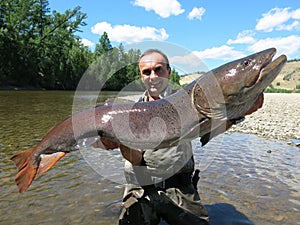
160, 188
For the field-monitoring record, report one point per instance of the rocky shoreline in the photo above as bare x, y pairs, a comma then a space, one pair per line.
279, 118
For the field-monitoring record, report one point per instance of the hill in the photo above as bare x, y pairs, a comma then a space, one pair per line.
288, 78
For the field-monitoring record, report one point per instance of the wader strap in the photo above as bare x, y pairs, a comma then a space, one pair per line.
178, 180
125, 205
195, 178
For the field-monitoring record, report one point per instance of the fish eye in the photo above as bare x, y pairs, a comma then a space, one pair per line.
246, 62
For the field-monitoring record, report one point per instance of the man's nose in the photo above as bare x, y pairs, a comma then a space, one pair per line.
153, 75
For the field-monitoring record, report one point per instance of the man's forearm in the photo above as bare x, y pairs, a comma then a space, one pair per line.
135, 156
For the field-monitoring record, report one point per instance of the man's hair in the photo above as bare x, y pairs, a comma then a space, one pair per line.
150, 51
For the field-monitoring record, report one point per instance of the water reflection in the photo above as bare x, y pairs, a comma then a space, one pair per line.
241, 182
264, 186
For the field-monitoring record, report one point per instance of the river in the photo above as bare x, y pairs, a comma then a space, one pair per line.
244, 179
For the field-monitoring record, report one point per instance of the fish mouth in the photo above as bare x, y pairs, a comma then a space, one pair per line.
270, 70
268, 73
269, 59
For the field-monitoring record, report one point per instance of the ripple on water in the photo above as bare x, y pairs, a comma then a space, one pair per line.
244, 174
262, 186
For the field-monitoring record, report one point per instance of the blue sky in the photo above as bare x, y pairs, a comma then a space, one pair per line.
215, 31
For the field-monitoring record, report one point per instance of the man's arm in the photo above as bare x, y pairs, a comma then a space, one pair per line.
135, 156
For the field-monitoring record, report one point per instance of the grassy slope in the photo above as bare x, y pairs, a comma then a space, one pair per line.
289, 77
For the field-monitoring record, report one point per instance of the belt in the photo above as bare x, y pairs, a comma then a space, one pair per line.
176, 181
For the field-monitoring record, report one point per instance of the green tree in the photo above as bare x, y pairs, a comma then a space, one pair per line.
58, 44
124, 69
103, 46
35, 44
16, 39
174, 77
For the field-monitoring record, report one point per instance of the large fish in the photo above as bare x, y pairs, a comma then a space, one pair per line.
205, 108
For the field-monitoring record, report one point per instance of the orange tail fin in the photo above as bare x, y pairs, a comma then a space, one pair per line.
49, 160
26, 169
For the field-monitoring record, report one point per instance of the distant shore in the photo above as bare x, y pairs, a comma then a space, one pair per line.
279, 118
16, 88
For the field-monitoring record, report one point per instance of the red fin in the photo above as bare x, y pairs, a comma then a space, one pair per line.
26, 169
49, 160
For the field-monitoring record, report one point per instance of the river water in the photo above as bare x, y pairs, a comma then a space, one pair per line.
244, 179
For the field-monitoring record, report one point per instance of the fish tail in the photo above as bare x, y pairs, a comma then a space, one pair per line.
26, 169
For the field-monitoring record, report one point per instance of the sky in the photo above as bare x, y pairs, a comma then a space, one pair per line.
211, 31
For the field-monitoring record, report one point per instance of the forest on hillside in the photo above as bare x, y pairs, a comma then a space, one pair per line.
40, 48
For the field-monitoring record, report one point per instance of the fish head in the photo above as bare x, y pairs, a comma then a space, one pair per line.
248, 76
253, 75
233, 88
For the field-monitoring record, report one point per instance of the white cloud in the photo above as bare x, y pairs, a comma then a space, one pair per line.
244, 37
277, 18
189, 63
163, 8
129, 34
289, 27
285, 45
196, 13
87, 42
190, 59
223, 52
296, 14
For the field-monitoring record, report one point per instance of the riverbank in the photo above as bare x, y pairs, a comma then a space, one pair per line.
279, 118
23, 88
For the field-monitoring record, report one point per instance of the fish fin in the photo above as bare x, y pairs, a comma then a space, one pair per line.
215, 132
49, 160
26, 169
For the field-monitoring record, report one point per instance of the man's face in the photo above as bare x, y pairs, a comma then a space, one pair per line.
154, 73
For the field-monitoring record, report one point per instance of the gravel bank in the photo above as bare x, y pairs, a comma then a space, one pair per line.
279, 118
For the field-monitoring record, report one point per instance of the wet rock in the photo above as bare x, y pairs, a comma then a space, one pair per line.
278, 218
